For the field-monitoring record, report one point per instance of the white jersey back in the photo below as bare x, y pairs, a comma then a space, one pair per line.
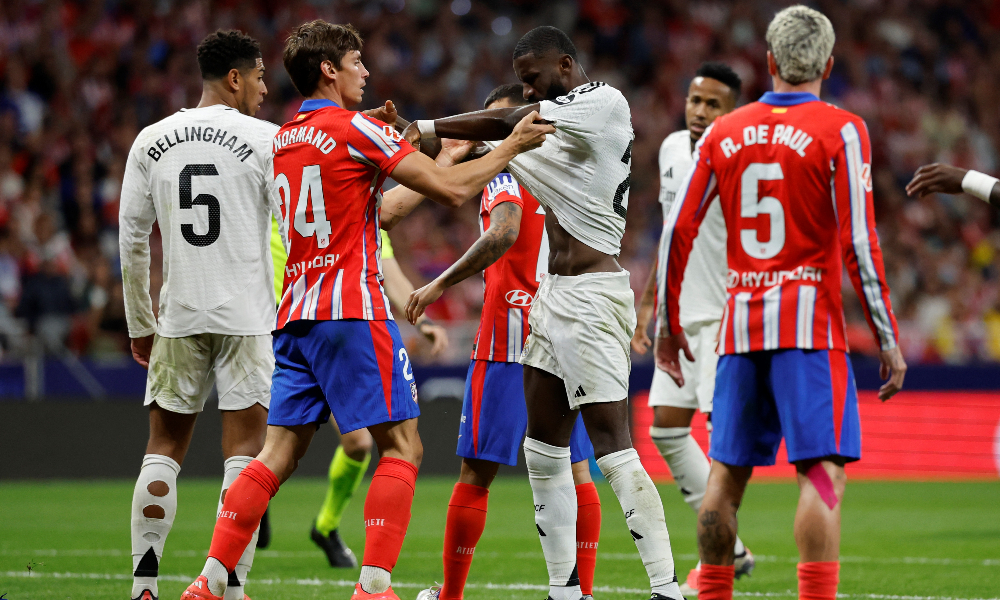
581, 173
206, 176
703, 293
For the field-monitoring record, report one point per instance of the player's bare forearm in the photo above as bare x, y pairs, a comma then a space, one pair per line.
493, 124
505, 222
397, 285
648, 300
454, 185
396, 204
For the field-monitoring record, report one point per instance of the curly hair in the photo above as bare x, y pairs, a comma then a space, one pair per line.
312, 43
540, 40
224, 50
722, 73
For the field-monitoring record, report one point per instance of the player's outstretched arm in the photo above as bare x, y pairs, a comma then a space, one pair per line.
401, 200
505, 224
492, 124
946, 179
398, 288
453, 186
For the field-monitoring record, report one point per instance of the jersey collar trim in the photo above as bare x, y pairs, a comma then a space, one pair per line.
316, 104
787, 98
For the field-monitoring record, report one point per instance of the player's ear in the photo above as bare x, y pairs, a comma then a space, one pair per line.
233, 80
829, 67
565, 64
327, 69
772, 65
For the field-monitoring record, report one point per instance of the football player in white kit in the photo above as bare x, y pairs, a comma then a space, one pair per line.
713, 92
205, 176
576, 357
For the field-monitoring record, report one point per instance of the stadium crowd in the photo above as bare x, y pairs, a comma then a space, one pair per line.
81, 79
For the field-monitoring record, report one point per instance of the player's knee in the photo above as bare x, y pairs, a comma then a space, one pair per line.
357, 444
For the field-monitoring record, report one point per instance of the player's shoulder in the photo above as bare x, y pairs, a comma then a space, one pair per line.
502, 184
676, 140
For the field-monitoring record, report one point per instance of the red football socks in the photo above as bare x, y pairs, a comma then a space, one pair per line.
387, 511
245, 503
462, 530
818, 580
588, 532
716, 582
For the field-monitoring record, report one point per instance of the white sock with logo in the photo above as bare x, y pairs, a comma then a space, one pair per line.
552, 487
154, 505
688, 465
644, 515
217, 575
238, 578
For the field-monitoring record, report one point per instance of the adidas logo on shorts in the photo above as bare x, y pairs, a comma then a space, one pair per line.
579, 392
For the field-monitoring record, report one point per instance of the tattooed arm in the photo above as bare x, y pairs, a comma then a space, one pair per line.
505, 223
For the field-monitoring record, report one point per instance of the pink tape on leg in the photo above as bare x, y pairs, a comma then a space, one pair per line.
823, 484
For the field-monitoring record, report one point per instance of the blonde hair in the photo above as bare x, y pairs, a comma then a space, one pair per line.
801, 40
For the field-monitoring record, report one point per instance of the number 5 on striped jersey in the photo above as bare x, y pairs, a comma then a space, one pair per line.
751, 206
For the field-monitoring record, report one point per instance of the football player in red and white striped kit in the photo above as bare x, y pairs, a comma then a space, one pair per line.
793, 175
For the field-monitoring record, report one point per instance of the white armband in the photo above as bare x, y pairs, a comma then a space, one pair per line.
426, 129
979, 184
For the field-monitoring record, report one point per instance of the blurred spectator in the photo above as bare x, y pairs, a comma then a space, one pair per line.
80, 79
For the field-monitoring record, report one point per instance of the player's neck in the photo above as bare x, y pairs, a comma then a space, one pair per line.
783, 87
328, 91
211, 97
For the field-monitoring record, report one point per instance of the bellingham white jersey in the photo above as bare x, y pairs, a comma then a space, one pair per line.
703, 293
206, 176
581, 173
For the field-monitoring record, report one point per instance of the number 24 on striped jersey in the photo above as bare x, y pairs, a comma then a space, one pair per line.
310, 189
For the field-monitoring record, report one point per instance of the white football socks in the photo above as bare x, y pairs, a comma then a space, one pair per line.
374, 580
238, 578
552, 487
644, 515
154, 505
688, 464
217, 575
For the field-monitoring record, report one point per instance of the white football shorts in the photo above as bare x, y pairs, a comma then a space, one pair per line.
580, 329
699, 376
182, 371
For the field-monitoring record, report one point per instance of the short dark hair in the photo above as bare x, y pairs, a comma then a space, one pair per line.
312, 43
721, 72
508, 91
224, 50
540, 40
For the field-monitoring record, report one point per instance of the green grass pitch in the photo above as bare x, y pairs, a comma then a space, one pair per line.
918, 540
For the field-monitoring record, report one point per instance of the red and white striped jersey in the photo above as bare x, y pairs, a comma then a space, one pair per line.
512, 281
329, 165
793, 175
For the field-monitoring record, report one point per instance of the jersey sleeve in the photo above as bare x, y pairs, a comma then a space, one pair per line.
583, 113
136, 215
503, 188
372, 142
858, 238
695, 195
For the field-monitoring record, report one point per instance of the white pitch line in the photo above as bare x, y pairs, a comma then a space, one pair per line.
475, 586
884, 560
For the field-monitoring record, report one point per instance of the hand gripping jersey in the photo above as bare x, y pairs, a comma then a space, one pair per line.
703, 293
205, 175
512, 281
793, 175
329, 165
581, 172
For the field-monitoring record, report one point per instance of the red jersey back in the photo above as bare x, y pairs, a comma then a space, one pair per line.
794, 178
512, 281
329, 165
